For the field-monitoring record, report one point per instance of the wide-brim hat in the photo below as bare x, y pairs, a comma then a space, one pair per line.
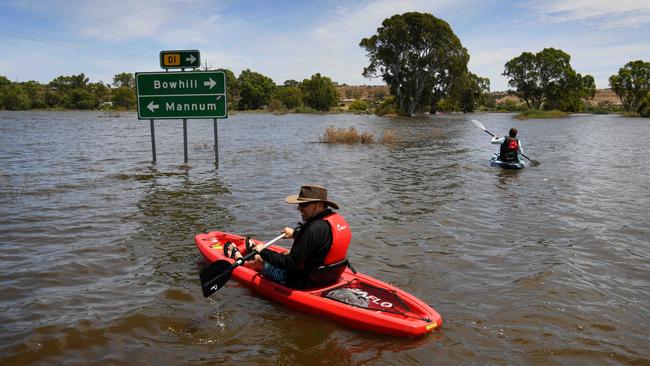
311, 193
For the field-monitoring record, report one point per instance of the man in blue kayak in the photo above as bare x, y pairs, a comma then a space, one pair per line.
510, 146
320, 244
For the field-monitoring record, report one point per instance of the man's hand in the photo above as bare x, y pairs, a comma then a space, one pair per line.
288, 232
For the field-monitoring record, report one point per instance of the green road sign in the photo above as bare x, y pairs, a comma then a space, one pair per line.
174, 95
180, 59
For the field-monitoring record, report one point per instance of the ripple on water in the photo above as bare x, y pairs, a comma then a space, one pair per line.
547, 265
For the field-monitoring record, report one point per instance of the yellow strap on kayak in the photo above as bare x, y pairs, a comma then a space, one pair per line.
432, 326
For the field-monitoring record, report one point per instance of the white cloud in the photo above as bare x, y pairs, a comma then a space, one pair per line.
604, 13
123, 20
106, 38
331, 46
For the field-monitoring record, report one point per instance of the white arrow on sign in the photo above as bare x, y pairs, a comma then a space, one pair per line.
210, 83
191, 59
152, 107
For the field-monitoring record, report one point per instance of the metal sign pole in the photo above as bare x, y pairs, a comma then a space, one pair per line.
153, 141
185, 138
216, 142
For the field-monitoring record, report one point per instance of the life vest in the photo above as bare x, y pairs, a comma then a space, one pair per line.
509, 149
341, 237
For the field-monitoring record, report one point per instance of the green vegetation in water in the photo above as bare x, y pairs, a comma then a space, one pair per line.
534, 113
359, 106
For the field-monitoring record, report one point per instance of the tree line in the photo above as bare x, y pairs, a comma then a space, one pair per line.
417, 55
249, 91
425, 65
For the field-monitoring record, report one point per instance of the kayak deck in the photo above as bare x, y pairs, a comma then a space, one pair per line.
414, 319
520, 164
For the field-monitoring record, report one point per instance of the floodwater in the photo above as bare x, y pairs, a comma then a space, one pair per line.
545, 266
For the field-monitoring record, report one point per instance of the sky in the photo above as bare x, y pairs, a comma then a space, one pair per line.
41, 40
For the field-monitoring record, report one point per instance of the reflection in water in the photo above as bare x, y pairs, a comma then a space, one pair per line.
174, 208
507, 176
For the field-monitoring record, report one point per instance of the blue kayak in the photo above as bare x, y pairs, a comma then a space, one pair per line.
519, 164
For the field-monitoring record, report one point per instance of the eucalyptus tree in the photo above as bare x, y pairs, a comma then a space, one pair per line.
255, 90
291, 82
232, 89
36, 93
469, 92
290, 96
644, 107
13, 97
123, 97
124, 79
66, 84
319, 92
418, 56
568, 93
632, 84
547, 77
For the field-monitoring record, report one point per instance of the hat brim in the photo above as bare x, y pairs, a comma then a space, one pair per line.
295, 200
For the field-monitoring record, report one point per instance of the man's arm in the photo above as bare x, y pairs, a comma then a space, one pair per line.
497, 140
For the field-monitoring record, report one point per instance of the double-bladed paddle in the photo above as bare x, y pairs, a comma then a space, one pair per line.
214, 276
480, 125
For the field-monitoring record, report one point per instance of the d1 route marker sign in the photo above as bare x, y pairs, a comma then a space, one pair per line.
180, 59
175, 95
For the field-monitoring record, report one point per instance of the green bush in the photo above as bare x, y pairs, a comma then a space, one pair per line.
359, 105
387, 106
446, 105
306, 109
510, 106
644, 107
536, 113
290, 96
14, 98
604, 107
276, 107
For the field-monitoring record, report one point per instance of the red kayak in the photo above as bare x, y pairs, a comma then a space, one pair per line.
357, 300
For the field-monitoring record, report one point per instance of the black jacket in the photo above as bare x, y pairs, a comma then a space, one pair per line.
310, 247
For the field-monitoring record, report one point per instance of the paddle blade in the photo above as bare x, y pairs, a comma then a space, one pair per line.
478, 124
214, 276
533, 162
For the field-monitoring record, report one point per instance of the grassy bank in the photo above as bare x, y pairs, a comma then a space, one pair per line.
534, 113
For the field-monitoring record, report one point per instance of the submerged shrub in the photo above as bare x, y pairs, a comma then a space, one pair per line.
389, 138
348, 135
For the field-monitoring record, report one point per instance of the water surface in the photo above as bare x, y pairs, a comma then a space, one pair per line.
548, 265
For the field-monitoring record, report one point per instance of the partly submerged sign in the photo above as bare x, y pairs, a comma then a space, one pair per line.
174, 95
180, 59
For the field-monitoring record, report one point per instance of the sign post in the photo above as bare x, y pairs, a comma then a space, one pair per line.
181, 95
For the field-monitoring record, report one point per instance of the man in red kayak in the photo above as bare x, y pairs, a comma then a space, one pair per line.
510, 146
320, 244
